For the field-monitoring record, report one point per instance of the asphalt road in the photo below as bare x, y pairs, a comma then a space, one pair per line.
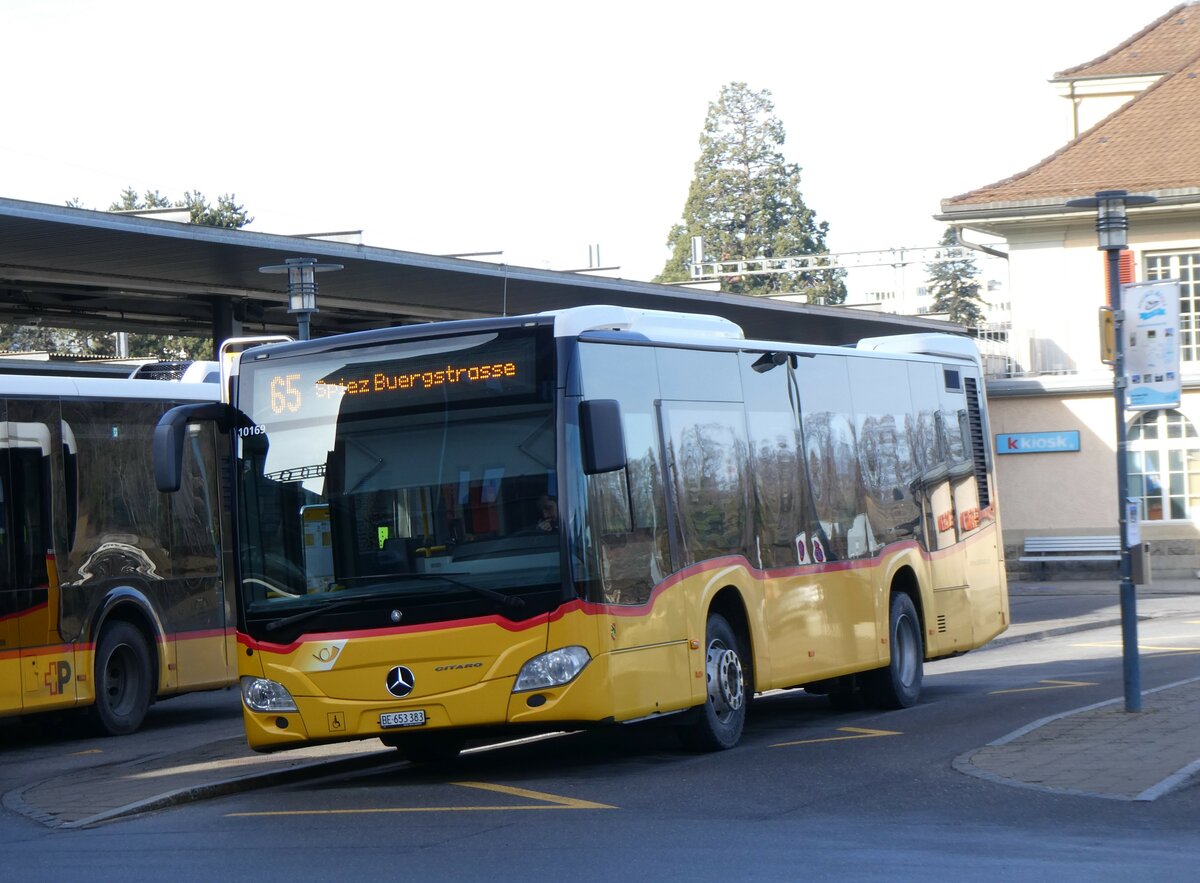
810, 794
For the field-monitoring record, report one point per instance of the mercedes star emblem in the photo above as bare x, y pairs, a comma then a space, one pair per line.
400, 681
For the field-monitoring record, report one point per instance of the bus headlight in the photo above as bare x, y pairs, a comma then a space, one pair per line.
552, 669
260, 694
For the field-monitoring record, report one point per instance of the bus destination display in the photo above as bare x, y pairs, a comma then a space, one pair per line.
501, 369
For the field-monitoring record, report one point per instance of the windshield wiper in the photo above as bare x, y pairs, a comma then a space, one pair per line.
277, 624
503, 600
511, 601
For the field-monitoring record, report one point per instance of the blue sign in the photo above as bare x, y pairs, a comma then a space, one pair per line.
1037, 442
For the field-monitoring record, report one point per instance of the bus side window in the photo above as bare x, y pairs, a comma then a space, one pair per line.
8, 599
31, 520
625, 510
779, 493
708, 451
882, 413
608, 500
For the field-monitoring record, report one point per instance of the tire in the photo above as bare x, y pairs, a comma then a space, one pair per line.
123, 678
719, 723
435, 748
898, 684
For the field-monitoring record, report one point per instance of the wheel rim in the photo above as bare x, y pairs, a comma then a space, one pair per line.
904, 644
725, 688
120, 680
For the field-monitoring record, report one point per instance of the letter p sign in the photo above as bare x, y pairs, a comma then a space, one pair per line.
59, 675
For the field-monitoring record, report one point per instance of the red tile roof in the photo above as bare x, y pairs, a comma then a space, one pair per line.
1149, 144
1163, 46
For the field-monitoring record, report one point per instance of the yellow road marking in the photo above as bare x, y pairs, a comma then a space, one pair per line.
82, 753
856, 733
550, 801
571, 802
1049, 685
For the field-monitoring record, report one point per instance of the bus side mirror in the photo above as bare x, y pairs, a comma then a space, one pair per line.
168, 439
602, 436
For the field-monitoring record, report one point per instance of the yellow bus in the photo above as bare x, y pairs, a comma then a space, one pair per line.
599, 515
111, 593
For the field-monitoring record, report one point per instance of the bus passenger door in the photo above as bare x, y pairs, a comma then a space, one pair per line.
47, 664
643, 629
10, 606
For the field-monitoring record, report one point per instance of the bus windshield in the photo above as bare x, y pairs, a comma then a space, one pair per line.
413, 479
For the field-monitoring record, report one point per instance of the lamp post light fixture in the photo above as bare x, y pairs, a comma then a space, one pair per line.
302, 288
1112, 225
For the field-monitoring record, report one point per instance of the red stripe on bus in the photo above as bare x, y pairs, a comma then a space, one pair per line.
28, 610
593, 608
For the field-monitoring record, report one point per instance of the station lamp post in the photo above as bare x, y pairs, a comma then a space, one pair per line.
1112, 225
302, 288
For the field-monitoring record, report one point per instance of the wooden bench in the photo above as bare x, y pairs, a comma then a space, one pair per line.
1047, 550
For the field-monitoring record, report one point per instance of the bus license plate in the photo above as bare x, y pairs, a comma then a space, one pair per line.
394, 719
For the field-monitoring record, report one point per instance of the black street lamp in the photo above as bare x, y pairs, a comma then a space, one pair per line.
302, 288
1111, 228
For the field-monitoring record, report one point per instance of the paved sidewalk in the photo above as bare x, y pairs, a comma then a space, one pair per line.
1102, 750
1097, 751
1040, 610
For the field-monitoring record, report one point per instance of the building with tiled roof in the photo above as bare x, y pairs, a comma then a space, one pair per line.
1134, 125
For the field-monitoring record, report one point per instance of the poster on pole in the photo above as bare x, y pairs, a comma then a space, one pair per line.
1150, 333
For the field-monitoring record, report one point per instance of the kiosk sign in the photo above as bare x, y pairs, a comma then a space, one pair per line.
1151, 336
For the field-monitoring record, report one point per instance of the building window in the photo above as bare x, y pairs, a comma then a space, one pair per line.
1164, 465
1184, 267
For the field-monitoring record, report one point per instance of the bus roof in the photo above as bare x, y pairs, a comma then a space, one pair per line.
635, 324
704, 330
44, 386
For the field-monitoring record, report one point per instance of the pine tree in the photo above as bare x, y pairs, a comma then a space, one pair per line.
954, 285
745, 201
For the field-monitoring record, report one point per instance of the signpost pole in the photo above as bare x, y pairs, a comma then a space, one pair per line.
1111, 226
1131, 666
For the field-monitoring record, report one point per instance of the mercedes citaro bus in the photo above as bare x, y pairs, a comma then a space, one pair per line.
112, 594
599, 515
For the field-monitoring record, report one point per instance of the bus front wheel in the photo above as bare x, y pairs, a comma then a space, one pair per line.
718, 724
898, 684
122, 679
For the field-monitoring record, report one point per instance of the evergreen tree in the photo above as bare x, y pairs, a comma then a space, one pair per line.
35, 338
745, 201
954, 285
226, 213
129, 201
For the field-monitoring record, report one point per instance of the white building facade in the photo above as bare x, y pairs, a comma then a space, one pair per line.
1132, 112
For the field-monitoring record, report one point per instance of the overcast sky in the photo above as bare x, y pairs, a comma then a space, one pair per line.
538, 129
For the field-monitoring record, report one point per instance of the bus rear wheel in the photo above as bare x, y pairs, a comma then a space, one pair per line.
898, 684
122, 678
718, 724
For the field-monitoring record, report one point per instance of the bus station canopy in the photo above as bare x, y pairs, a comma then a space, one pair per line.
68, 267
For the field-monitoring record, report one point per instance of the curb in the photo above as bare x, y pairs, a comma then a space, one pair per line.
1084, 626
1003, 640
235, 785
1177, 779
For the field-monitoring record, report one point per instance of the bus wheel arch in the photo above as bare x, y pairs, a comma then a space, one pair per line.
124, 671
729, 672
898, 684
905, 581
